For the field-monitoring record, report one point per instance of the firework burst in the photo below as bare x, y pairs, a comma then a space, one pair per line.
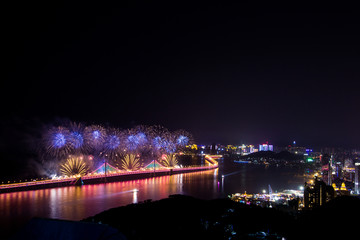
77, 140
170, 160
57, 142
163, 141
182, 139
113, 145
131, 162
126, 147
158, 142
137, 139
95, 136
74, 166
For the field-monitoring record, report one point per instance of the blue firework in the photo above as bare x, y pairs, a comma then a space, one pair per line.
158, 142
131, 142
58, 140
77, 140
182, 140
95, 136
112, 145
113, 142
135, 141
141, 138
164, 141
169, 146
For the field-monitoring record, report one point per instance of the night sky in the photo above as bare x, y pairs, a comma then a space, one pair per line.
225, 73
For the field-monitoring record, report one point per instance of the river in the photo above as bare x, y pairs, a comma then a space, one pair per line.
76, 203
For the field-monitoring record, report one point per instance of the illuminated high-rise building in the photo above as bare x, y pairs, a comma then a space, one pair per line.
356, 189
266, 147
329, 174
317, 194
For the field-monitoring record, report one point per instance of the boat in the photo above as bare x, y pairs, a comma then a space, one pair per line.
241, 161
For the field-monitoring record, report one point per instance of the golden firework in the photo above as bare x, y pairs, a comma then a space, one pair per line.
170, 160
74, 166
131, 162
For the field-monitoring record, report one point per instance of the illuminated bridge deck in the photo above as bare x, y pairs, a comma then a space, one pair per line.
100, 178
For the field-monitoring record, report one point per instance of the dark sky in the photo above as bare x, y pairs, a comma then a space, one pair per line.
225, 73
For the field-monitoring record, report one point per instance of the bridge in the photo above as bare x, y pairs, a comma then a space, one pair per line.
112, 175
212, 159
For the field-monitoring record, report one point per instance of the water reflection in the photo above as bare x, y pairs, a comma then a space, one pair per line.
76, 203
135, 198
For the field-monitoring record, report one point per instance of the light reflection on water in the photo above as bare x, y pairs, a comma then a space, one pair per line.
76, 203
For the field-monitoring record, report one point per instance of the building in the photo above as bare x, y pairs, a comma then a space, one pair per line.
356, 181
317, 194
266, 147
247, 149
342, 191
